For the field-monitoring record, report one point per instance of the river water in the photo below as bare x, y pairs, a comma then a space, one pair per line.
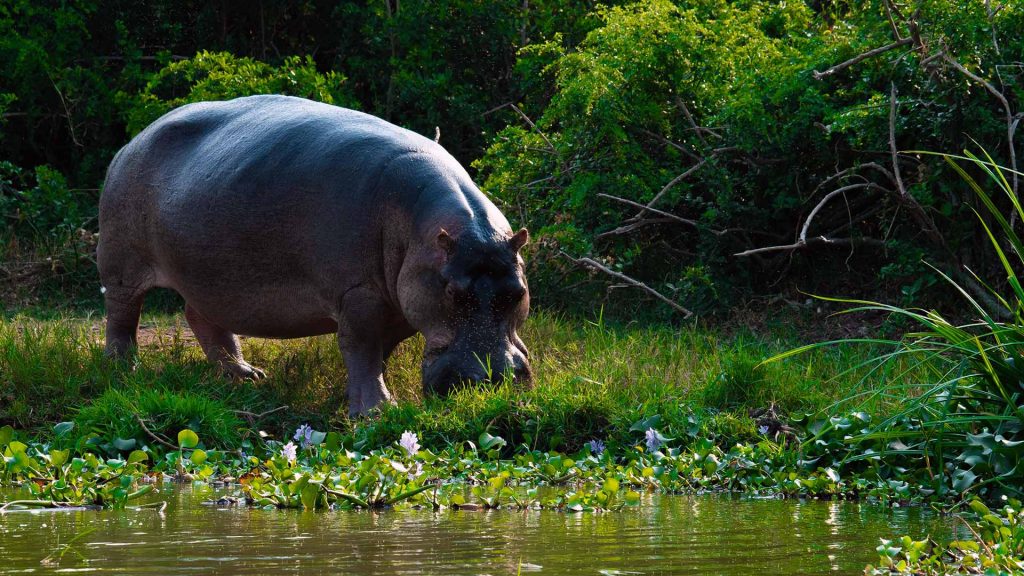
666, 535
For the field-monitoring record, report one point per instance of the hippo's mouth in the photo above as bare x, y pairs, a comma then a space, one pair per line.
430, 355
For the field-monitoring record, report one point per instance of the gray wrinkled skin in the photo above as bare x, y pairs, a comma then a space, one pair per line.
280, 217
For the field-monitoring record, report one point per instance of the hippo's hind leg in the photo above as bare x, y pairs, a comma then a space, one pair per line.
125, 281
124, 306
221, 346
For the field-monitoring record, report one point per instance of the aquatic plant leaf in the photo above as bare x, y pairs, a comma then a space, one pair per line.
486, 441
59, 457
188, 439
963, 479
309, 495
59, 430
198, 456
124, 444
6, 434
137, 456
643, 425
332, 441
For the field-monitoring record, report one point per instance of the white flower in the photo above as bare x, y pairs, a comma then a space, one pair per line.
652, 439
288, 451
410, 443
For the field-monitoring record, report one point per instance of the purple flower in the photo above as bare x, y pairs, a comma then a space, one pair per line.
288, 451
763, 430
596, 447
305, 434
652, 439
410, 443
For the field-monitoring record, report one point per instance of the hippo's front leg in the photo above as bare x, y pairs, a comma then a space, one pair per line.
361, 340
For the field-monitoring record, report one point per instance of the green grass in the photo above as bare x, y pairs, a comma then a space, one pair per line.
593, 381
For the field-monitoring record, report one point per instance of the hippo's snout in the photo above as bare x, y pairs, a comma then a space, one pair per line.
452, 369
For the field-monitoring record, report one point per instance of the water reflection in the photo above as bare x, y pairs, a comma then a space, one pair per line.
668, 535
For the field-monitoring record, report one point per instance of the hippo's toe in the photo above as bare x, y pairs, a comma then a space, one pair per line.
242, 370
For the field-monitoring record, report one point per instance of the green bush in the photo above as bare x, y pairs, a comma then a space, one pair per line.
222, 76
727, 95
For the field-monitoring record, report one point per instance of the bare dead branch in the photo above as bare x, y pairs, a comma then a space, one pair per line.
671, 184
667, 142
252, 417
67, 112
633, 225
153, 435
892, 21
812, 242
992, 23
1010, 125
689, 118
528, 122
861, 57
829, 196
631, 281
892, 141
668, 215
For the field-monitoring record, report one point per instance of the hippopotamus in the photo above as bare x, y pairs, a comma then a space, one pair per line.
280, 217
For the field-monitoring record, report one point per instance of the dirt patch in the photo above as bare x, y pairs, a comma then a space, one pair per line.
152, 335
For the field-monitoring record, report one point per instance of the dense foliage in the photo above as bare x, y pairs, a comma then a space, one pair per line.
723, 115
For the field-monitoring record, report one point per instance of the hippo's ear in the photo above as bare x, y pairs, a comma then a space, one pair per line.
445, 242
519, 239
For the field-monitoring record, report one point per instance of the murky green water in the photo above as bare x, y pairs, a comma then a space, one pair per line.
667, 535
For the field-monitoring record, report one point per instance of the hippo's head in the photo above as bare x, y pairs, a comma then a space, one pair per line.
479, 298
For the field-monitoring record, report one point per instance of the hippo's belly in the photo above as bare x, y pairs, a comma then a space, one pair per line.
280, 310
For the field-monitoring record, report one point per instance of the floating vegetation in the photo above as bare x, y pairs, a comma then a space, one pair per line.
320, 473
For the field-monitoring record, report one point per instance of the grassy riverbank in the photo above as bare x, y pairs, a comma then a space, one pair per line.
593, 381
676, 410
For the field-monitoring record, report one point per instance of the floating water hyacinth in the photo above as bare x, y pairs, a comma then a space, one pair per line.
410, 443
763, 430
415, 471
652, 439
596, 447
304, 434
289, 452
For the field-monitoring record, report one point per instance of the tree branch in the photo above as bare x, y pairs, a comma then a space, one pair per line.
861, 57
813, 241
632, 282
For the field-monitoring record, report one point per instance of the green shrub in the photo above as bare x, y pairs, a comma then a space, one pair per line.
223, 76
116, 415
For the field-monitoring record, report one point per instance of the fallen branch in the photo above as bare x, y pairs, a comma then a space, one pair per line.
252, 417
631, 281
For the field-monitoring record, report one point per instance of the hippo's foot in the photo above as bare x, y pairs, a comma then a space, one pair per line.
366, 399
242, 370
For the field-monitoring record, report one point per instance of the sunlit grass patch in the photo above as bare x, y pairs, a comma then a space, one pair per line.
593, 380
